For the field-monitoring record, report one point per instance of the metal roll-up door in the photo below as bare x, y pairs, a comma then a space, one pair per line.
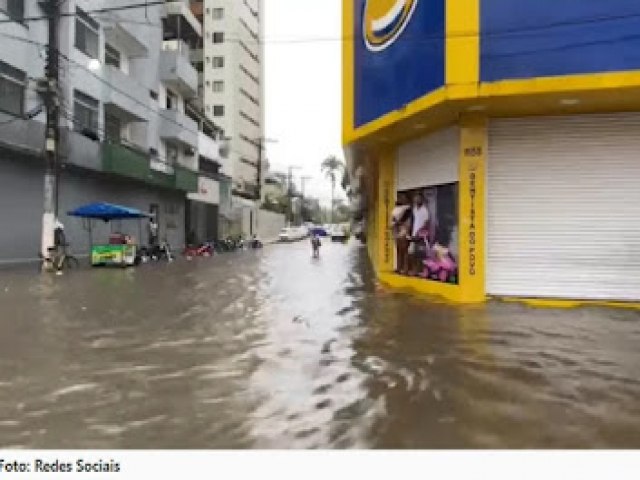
431, 160
563, 216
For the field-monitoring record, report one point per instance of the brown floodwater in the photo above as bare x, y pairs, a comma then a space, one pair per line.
271, 349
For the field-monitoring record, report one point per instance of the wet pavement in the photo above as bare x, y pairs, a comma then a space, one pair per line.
272, 349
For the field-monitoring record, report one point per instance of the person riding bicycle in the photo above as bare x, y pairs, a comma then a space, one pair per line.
60, 245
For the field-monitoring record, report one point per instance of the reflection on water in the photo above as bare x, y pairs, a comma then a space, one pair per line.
272, 349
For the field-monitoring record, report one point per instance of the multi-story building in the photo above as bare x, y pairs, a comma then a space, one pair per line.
231, 75
126, 137
517, 124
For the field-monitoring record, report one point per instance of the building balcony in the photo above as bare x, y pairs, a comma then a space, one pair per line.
208, 147
176, 70
176, 127
126, 35
180, 22
135, 164
129, 105
24, 135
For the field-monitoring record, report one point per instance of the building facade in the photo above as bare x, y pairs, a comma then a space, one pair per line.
126, 83
518, 125
231, 74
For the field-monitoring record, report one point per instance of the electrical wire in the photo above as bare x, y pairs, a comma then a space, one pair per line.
97, 11
487, 33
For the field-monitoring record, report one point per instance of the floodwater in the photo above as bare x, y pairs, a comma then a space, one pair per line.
271, 349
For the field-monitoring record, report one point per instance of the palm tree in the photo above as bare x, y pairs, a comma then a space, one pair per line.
332, 166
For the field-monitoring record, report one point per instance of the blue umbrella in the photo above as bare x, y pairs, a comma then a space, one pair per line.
107, 212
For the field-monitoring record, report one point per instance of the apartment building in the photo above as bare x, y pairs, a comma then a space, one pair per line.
126, 84
231, 75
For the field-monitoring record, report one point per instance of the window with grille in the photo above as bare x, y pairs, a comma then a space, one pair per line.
218, 86
172, 100
13, 83
112, 128
218, 37
85, 112
87, 34
218, 62
218, 13
218, 110
111, 56
14, 9
172, 154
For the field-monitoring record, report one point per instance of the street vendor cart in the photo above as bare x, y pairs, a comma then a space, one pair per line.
119, 249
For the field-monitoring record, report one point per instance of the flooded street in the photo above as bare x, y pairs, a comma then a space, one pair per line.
271, 349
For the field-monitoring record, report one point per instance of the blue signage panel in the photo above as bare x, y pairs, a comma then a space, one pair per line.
537, 38
399, 54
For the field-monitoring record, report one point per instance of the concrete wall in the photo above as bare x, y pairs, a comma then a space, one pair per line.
21, 200
269, 225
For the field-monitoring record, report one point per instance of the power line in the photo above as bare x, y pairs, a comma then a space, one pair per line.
131, 6
499, 32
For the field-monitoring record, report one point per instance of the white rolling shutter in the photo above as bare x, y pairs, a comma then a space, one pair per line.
432, 160
564, 207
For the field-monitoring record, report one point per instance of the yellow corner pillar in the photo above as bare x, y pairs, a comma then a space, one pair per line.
348, 18
472, 235
385, 202
462, 48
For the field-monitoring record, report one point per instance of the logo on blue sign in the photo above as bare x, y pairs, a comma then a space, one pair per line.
384, 21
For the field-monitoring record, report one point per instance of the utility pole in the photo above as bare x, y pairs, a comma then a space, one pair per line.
259, 142
52, 135
290, 191
303, 181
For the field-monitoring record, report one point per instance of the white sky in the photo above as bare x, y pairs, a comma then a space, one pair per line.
303, 88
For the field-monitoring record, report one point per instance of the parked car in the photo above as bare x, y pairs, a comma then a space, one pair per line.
339, 234
293, 234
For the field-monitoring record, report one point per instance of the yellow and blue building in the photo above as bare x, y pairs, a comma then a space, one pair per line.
521, 117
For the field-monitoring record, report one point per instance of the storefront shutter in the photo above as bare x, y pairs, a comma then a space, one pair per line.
429, 161
564, 207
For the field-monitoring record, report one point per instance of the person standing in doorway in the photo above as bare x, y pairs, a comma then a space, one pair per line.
419, 229
401, 227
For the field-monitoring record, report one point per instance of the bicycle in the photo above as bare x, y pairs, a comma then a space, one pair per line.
59, 259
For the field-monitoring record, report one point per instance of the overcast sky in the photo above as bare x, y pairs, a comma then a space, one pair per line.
303, 87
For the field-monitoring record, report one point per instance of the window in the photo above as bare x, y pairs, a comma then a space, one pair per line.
253, 34
244, 70
218, 86
218, 37
111, 56
249, 119
13, 83
14, 9
218, 62
253, 56
85, 112
172, 154
112, 128
251, 98
172, 100
87, 34
218, 110
218, 13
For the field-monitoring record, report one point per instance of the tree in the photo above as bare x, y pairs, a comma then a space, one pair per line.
332, 166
